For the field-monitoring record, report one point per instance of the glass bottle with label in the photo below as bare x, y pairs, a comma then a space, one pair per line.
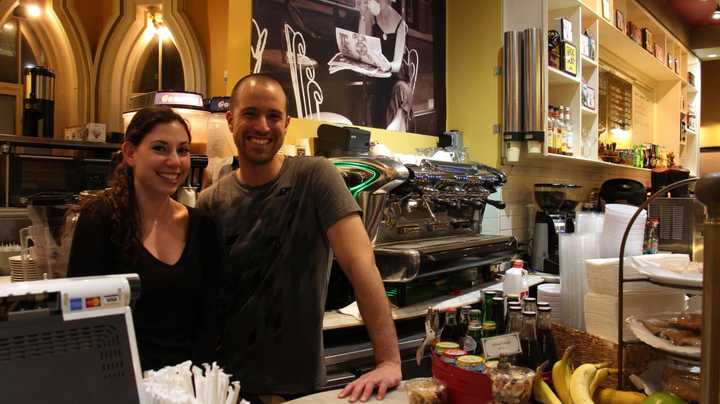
514, 323
544, 334
569, 136
489, 329
499, 313
463, 321
475, 316
530, 356
475, 332
488, 305
450, 330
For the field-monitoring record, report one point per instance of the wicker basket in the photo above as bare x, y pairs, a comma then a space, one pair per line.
592, 349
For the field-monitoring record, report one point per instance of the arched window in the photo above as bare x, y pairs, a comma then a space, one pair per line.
15, 54
168, 75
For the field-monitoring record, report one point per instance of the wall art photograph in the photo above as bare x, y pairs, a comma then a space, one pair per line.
376, 63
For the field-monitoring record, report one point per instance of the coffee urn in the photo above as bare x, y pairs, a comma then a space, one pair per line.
39, 102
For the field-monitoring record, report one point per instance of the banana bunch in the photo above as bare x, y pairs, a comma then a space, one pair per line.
581, 385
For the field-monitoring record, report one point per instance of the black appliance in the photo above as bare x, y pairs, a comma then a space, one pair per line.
334, 141
557, 203
31, 165
622, 190
667, 176
39, 102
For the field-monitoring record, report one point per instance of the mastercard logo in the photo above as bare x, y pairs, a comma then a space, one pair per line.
91, 302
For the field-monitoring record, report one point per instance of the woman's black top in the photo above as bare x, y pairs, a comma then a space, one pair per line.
175, 316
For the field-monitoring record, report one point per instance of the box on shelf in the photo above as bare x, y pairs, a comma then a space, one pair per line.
568, 58
647, 40
92, 132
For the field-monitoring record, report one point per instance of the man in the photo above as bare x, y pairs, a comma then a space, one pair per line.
279, 218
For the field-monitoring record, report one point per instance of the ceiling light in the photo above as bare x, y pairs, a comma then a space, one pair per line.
716, 13
713, 55
33, 10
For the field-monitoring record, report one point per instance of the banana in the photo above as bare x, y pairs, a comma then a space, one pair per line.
580, 382
561, 374
600, 378
541, 391
612, 396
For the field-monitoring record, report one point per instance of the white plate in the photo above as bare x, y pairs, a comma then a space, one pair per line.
644, 335
662, 275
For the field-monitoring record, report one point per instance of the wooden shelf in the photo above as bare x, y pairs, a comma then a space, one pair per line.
634, 54
557, 77
586, 61
588, 111
691, 89
691, 132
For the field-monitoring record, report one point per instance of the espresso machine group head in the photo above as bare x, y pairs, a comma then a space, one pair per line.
556, 215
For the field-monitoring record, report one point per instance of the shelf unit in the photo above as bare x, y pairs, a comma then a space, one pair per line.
659, 91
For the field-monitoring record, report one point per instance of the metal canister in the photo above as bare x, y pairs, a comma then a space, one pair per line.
443, 346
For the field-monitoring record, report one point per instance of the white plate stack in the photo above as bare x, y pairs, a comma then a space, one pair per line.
550, 293
617, 217
23, 268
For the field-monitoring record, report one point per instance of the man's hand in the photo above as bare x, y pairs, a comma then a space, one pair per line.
385, 376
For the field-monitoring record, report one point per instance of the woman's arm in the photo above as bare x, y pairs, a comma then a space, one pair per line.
91, 249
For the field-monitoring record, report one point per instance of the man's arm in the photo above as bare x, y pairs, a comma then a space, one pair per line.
354, 253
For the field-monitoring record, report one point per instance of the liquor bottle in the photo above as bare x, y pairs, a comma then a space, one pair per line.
530, 304
568, 136
514, 321
463, 322
489, 329
549, 134
475, 332
544, 335
499, 313
450, 330
530, 356
475, 316
559, 129
487, 305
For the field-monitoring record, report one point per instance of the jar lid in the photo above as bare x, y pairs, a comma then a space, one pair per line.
470, 360
489, 325
530, 299
454, 353
544, 308
515, 308
529, 313
444, 345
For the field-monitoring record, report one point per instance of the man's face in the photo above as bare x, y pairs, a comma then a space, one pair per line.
258, 121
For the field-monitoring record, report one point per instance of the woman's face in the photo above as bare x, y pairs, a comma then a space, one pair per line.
161, 161
375, 6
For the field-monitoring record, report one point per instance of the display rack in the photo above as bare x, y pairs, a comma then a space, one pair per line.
622, 280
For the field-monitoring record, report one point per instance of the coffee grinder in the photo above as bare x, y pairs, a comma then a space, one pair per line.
556, 215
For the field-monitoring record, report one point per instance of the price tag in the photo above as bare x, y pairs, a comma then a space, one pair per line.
502, 345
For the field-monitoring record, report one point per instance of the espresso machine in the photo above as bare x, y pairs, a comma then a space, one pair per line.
556, 215
425, 223
39, 102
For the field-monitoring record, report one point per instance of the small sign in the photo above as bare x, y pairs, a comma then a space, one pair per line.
502, 345
91, 302
569, 58
111, 299
76, 304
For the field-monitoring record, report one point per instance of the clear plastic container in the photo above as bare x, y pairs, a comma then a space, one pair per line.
426, 390
511, 384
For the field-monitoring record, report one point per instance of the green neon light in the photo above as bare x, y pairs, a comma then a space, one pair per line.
375, 174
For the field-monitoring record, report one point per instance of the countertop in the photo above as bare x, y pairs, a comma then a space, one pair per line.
397, 396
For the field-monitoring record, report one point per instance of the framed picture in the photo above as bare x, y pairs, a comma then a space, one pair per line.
606, 9
566, 29
670, 59
647, 40
568, 58
659, 52
620, 21
588, 96
336, 52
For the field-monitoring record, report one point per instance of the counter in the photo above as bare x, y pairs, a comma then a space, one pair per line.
397, 396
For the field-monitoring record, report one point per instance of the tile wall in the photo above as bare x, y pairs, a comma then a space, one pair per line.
517, 219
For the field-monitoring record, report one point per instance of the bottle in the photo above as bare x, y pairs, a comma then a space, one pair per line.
568, 135
475, 332
463, 322
548, 351
514, 283
489, 329
487, 305
550, 136
651, 236
530, 304
498, 315
450, 330
530, 356
514, 321
475, 316
559, 129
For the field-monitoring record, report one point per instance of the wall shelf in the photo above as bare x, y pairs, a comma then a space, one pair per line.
583, 161
587, 62
557, 77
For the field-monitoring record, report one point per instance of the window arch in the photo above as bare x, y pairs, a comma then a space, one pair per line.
131, 42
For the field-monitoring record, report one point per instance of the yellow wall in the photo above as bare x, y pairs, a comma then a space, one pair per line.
709, 111
209, 20
474, 43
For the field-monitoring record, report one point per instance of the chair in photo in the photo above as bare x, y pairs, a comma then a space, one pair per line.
401, 121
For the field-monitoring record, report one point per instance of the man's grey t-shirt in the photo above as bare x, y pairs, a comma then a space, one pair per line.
276, 272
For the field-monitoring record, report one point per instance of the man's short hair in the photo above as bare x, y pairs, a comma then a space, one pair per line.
262, 78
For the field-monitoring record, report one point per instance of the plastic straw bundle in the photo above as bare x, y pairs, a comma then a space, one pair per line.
188, 384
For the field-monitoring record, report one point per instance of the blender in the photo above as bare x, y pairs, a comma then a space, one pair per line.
556, 215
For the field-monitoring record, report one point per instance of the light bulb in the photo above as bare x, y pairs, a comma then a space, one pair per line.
33, 10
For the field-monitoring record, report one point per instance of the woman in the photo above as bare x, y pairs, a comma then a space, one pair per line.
137, 227
393, 101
